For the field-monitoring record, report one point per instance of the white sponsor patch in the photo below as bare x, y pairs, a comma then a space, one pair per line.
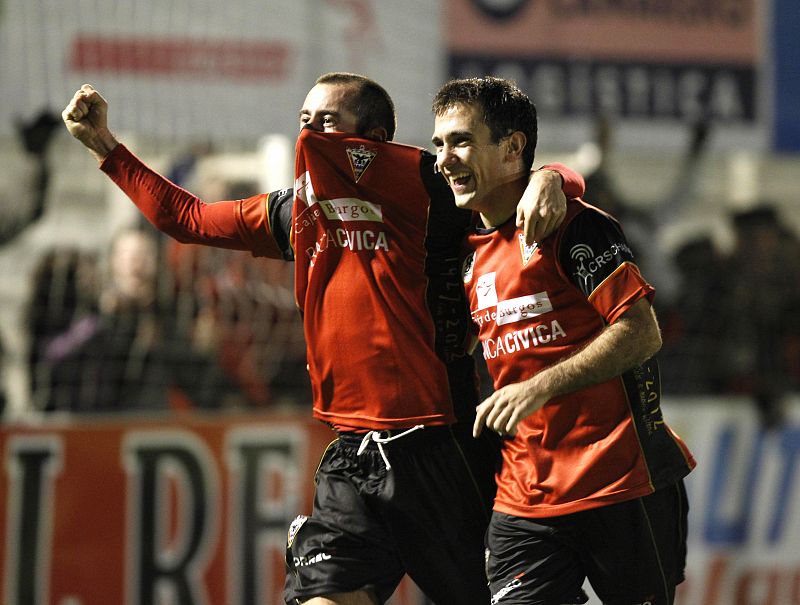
342, 209
524, 307
304, 190
351, 209
486, 291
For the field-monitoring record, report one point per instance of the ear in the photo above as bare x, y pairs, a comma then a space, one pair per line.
377, 134
515, 144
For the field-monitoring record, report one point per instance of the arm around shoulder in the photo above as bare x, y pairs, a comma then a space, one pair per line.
572, 183
544, 203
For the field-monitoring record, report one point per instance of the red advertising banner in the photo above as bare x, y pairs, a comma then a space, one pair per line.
219, 59
193, 509
721, 32
686, 59
179, 510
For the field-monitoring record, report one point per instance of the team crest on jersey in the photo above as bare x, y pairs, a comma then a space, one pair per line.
466, 268
360, 158
294, 528
526, 250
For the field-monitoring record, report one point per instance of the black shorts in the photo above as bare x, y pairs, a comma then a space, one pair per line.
426, 517
633, 553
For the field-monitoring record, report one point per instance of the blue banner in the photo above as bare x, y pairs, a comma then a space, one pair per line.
633, 89
785, 28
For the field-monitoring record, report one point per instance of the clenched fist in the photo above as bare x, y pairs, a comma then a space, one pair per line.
86, 118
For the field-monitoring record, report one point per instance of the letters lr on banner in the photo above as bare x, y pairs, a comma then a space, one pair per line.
192, 508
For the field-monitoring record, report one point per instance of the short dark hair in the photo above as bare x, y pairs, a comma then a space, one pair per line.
371, 104
506, 108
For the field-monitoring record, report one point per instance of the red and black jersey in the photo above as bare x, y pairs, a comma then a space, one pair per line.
376, 238
535, 305
375, 274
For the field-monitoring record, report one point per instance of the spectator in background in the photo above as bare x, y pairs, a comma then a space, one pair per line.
692, 324
242, 310
126, 354
238, 307
22, 208
759, 308
643, 219
64, 286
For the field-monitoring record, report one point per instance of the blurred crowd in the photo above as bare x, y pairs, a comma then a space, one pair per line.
160, 325
735, 327
152, 324
730, 318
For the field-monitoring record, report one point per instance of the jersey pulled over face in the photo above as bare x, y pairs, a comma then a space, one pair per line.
376, 239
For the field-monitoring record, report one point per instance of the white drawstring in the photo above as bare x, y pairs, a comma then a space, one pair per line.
376, 437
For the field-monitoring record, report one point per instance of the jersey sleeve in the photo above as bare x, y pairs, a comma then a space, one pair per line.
574, 184
236, 225
594, 255
279, 212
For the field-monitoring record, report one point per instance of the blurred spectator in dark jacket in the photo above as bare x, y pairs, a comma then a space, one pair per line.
128, 354
644, 219
64, 286
22, 208
692, 324
760, 307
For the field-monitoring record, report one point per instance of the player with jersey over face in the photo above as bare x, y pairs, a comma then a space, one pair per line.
591, 483
375, 238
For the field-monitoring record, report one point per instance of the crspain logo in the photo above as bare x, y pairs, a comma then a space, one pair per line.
581, 253
360, 158
485, 291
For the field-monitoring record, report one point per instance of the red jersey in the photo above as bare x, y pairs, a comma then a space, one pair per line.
375, 235
535, 305
360, 235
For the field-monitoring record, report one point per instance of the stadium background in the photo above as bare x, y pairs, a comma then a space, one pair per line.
683, 114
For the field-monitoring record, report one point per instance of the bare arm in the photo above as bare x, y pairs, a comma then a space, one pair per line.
544, 203
629, 341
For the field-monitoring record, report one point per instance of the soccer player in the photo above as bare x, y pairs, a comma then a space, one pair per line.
375, 238
591, 483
